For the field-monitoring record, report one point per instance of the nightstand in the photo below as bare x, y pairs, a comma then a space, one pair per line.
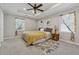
55, 36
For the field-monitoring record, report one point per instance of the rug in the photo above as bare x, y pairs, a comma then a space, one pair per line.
48, 46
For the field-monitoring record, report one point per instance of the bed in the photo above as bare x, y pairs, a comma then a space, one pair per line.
32, 37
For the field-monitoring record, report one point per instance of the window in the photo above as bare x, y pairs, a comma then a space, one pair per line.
69, 20
20, 25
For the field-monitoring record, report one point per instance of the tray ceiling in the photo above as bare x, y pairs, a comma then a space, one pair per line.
19, 9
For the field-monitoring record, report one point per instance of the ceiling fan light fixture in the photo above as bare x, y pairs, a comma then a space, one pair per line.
36, 14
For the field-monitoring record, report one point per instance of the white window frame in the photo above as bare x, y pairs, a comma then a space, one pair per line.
23, 26
74, 25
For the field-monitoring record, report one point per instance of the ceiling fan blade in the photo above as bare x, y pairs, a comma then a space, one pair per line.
30, 4
34, 5
30, 9
40, 10
39, 5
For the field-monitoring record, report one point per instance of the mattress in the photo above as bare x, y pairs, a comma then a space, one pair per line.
35, 36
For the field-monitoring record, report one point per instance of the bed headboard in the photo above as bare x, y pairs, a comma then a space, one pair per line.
48, 29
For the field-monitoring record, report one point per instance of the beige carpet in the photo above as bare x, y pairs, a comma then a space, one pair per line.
18, 47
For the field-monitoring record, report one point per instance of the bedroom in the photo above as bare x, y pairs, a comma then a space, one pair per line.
39, 24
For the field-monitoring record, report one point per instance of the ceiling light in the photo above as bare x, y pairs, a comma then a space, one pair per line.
24, 9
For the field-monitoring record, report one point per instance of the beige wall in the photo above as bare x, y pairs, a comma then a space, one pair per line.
77, 26
10, 25
30, 24
1, 26
52, 22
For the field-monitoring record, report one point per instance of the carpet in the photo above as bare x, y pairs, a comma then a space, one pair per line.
48, 46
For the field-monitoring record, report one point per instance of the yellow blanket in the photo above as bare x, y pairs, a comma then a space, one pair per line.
32, 37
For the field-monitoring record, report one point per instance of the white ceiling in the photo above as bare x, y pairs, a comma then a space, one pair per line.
50, 9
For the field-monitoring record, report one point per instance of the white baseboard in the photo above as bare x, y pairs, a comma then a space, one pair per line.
1, 39
70, 42
11, 37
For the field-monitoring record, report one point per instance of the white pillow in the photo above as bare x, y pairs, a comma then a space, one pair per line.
42, 29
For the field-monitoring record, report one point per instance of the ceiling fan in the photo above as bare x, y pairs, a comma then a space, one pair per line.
35, 7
